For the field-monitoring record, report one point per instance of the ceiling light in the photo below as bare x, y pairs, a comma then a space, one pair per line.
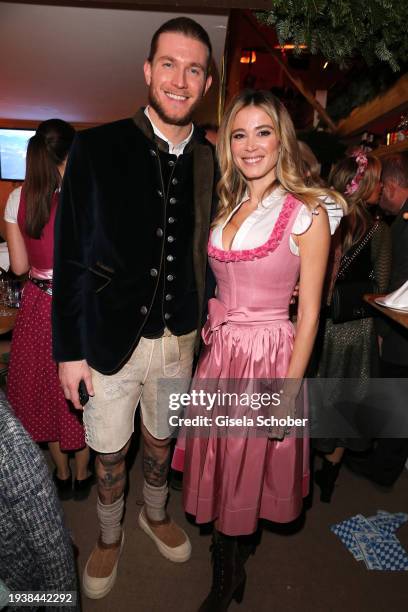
286, 47
248, 56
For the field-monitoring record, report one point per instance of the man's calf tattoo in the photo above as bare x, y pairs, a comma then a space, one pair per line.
111, 471
155, 471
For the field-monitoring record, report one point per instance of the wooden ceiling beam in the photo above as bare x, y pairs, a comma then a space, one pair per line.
362, 116
203, 6
297, 82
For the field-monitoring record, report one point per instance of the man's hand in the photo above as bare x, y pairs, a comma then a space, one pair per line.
70, 375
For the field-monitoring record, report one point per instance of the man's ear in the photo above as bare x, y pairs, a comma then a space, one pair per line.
391, 188
207, 84
147, 69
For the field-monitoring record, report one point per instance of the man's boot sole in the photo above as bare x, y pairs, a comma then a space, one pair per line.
172, 554
98, 592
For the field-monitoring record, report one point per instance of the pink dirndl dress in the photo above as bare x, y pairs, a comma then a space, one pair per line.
240, 479
33, 387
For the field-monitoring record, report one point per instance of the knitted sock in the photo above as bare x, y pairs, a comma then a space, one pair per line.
110, 517
155, 501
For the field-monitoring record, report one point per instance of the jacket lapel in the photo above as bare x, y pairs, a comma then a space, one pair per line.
203, 168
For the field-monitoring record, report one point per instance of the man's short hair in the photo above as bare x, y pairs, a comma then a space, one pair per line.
187, 27
395, 168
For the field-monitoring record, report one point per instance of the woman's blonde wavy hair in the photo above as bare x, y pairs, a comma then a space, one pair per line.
358, 220
289, 169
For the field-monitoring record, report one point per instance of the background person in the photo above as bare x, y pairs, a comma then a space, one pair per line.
349, 349
311, 166
36, 551
33, 387
385, 462
211, 132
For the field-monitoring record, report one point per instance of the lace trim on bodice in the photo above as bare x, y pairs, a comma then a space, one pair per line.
270, 245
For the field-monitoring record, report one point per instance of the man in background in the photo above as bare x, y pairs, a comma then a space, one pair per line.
385, 463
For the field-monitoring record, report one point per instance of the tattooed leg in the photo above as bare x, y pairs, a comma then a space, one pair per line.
156, 462
111, 472
156, 459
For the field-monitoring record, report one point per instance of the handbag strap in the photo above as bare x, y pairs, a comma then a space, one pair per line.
348, 260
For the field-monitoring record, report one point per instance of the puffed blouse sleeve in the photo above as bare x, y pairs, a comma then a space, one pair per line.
13, 202
305, 217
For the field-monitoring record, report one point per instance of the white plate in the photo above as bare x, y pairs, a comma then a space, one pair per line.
380, 302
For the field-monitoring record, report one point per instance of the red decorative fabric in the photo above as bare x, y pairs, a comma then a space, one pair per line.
270, 245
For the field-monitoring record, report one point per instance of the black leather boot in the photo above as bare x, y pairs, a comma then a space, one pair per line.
64, 486
247, 546
228, 574
325, 478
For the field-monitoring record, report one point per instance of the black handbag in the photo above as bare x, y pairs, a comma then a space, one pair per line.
347, 302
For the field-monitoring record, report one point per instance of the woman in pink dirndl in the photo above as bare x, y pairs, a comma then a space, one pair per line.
270, 232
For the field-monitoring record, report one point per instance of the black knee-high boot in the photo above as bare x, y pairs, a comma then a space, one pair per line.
247, 546
228, 574
325, 478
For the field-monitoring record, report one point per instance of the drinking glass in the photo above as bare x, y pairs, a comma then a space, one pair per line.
14, 289
4, 312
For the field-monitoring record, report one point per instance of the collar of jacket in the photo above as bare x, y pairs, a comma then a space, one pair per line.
143, 124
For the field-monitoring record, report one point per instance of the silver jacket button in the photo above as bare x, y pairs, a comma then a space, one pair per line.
143, 310
170, 258
167, 316
173, 201
168, 297
170, 238
159, 232
170, 277
171, 219
174, 181
153, 272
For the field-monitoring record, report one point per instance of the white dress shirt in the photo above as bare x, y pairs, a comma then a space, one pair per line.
174, 149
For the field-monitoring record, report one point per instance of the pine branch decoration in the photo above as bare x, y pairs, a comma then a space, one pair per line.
343, 29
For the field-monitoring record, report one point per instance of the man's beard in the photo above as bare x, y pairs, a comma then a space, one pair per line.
180, 121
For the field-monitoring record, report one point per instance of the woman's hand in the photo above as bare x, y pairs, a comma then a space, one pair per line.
290, 401
280, 415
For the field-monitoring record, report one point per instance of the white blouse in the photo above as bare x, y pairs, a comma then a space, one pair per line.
258, 226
